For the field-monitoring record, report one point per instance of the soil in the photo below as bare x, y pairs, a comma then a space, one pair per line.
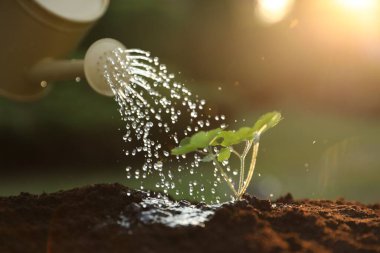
110, 218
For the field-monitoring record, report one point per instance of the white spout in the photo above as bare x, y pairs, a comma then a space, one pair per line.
91, 67
94, 62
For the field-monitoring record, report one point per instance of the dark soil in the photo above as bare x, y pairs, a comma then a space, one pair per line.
93, 219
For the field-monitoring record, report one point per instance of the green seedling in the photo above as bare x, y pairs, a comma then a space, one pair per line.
217, 145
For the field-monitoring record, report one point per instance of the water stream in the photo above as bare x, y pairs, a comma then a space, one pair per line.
158, 112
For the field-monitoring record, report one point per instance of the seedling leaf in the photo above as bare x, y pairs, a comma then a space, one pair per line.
225, 139
181, 150
267, 121
245, 133
208, 158
224, 154
229, 138
199, 140
185, 141
202, 139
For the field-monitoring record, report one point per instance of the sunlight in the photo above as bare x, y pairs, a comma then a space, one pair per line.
360, 14
359, 6
272, 11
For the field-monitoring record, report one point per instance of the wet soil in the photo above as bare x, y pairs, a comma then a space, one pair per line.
112, 218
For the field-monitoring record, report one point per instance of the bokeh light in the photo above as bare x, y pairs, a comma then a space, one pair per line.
362, 6
363, 14
273, 11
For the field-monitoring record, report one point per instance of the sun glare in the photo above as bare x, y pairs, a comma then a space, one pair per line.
362, 6
272, 11
360, 14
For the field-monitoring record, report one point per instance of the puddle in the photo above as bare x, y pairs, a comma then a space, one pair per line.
166, 212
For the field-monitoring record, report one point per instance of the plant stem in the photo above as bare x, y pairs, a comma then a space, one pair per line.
242, 159
224, 175
251, 169
247, 147
235, 152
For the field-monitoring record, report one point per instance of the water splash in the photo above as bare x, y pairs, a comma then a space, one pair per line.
164, 211
154, 105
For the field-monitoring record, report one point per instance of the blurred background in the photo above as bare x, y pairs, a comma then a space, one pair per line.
318, 62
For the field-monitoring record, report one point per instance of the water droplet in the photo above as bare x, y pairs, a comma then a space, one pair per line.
194, 114
137, 174
43, 84
158, 165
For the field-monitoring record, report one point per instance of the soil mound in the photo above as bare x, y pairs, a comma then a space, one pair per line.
113, 218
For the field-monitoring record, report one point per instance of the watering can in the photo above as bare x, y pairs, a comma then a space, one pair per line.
38, 34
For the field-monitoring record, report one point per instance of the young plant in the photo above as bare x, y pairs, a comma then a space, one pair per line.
217, 145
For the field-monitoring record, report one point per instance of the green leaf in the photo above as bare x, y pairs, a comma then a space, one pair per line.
199, 140
224, 154
181, 150
185, 141
217, 137
245, 133
267, 121
202, 139
229, 138
212, 134
208, 158
225, 139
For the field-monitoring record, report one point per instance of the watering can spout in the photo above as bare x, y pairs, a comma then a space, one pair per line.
49, 70
94, 61
90, 68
